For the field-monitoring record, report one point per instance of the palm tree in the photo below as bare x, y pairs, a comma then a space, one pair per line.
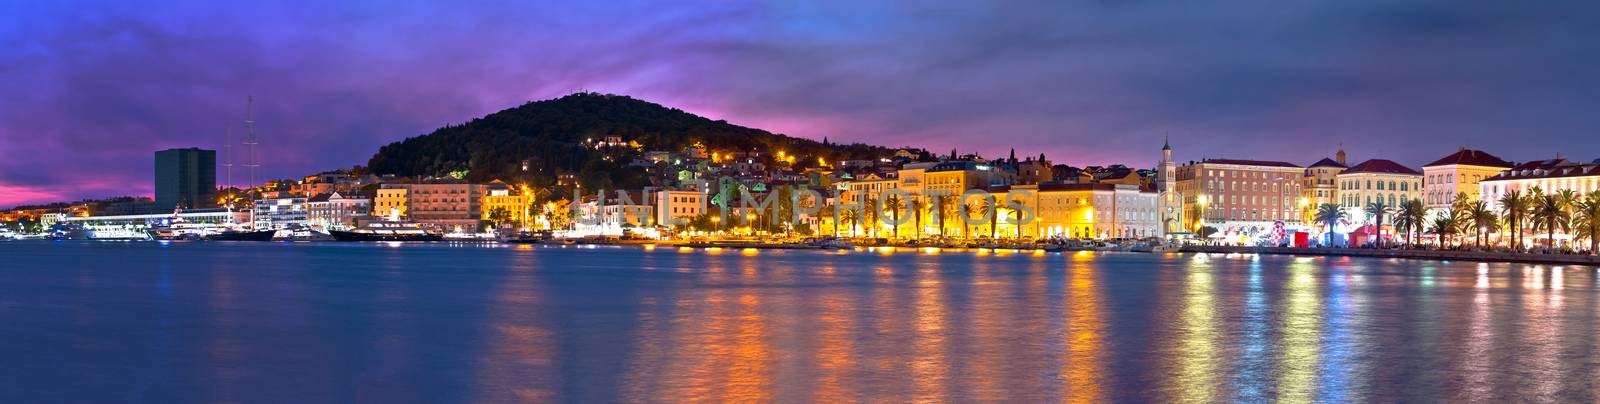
894, 204
826, 210
1377, 210
990, 209
968, 210
1410, 218
1514, 206
916, 206
1587, 220
1550, 213
1482, 219
1330, 214
1445, 226
943, 204
850, 216
870, 215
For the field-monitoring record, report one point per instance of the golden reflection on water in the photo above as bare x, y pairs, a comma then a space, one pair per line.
928, 364
835, 348
1301, 335
1479, 359
1082, 373
519, 365
1541, 334
1196, 355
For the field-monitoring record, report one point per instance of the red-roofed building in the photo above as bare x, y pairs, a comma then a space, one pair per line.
1458, 173
1228, 192
1374, 181
1549, 175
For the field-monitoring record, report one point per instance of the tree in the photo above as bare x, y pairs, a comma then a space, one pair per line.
827, 211
1587, 220
1444, 226
917, 206
988, 207
945, 207
850, 216
1550, 213
1378, 210
1482, 219
1410, 218
968, 210
498, 216
1514, 206
1330, 214
894, 204
869, 215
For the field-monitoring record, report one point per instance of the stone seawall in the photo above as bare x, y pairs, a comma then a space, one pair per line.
1549, 259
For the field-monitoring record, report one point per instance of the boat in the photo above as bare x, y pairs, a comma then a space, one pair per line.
389, 231
527, 237
242, 235
179, 229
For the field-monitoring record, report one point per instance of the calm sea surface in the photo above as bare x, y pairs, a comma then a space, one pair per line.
186, 322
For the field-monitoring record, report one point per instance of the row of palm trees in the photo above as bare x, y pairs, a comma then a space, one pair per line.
1563, 211
942, 209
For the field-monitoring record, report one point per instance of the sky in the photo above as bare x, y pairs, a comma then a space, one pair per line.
89, 90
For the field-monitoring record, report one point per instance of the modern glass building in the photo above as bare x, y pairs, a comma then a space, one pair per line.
186, 178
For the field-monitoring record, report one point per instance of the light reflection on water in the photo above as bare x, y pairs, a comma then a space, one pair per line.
350, 322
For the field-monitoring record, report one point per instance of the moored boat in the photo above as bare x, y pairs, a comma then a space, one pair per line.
242, 235
389, 231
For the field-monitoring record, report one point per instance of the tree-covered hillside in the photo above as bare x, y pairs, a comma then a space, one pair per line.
555, 136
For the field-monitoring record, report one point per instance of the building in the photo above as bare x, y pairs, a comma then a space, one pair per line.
1457, 173
1033, 172
674, 207
912, 176
516, 202
1240, 197
624, 213
335, 211
1549, 176
1083, 211
866, 189
329, 182
1169, 202
185, 179
280, 213
449, 205
1375, 181
1320, 186
390, 203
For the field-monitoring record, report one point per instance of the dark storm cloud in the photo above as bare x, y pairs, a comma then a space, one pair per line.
89, 92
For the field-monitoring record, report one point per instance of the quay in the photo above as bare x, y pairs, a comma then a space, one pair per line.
1484, 256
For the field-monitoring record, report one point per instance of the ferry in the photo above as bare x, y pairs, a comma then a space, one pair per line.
389, 231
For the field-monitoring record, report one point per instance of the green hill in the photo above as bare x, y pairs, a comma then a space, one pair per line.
552, 137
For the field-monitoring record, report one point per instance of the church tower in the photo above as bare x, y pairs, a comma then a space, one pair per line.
1340, 156
1168, 203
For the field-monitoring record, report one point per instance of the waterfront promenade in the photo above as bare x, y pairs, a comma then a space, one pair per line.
1487, 256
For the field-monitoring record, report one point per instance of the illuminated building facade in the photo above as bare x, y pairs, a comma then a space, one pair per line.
1550, 176
1457, 173
1374, 181
1240, 196
334, 211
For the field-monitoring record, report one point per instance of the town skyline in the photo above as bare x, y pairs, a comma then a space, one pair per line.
1087, 85
144, 189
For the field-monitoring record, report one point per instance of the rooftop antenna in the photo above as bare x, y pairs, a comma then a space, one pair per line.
250, 137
